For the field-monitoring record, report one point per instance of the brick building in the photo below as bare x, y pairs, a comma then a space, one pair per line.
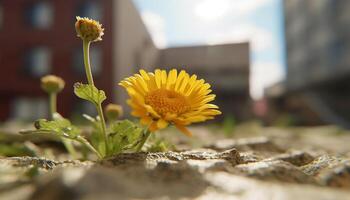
38, 38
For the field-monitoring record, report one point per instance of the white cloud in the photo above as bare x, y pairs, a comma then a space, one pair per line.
156, 27
246, 6
210, 10
264, 74
259, 38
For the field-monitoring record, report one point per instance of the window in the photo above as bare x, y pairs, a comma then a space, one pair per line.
38, 61
95, 60
40, 15
29, 109
90, 9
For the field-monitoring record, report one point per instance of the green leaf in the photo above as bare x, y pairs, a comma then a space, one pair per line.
89, 93
61, 127
124, 135
58, 126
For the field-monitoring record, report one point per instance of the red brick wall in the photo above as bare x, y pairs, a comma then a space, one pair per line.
16, 37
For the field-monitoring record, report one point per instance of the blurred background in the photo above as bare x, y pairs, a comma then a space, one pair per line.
283, 62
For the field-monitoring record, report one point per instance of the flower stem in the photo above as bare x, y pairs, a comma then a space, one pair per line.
70, 148
144, 139
53, 103
86, 49
103, 124
89, 146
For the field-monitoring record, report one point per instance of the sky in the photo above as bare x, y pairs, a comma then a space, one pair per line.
207, 22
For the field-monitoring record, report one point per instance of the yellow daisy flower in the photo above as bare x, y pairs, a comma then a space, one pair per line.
161, 98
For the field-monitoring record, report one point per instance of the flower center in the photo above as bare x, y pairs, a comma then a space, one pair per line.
164, 101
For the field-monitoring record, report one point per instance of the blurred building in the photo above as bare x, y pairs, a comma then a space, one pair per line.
318, 64
318, 41
38, 37
225, 67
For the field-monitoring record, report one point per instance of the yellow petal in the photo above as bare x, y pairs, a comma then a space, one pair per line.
152, 111
184, 83
161, 123
141, 82
170, 116
146, 121
179, 79
144, 75
164, 77
158, 78
153, 127
196, 119
208, 99
171, 78
183, 129
192, 84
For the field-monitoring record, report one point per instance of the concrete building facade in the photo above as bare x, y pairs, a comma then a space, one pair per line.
318, 66
318, 41
225, 67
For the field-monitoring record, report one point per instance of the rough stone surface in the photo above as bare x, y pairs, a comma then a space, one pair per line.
321, 163
297, 158
271, 165
231, 156
274, 170
246, 144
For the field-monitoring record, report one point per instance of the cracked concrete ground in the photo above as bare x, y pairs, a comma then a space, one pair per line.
271, 163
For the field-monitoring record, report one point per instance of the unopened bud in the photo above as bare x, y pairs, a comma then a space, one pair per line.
113, 111
52, 84
88, 29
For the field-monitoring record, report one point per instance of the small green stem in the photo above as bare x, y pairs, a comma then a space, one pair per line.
144, 139
86, 49
53, 103
70, 148
103, 125
89, 146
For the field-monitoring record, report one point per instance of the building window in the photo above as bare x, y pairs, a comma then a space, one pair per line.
29, 109
95, 60
40, 15
90, 9
38, 61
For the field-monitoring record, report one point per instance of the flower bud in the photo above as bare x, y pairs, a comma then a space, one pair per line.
113, 111
52, 84
88, 29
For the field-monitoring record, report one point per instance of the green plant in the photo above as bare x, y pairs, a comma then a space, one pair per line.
52, 85
104, 140
159, 99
